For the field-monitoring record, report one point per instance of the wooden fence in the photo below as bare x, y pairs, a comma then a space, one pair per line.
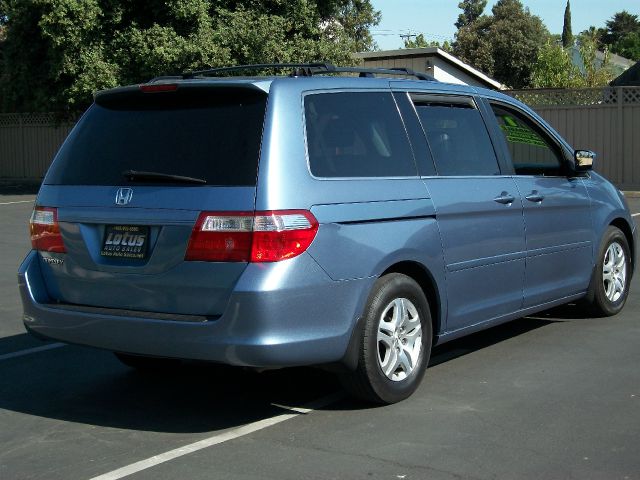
605, 120
28, 142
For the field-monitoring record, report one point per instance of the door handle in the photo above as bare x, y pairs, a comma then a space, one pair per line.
535, 197
505, 198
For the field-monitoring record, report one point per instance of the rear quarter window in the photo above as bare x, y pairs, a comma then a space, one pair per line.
356, 134
210, 134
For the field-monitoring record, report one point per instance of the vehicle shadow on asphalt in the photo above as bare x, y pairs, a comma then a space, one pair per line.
83, 385
500, 333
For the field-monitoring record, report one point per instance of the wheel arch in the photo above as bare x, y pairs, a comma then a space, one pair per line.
424, 278
624, 226
427, 282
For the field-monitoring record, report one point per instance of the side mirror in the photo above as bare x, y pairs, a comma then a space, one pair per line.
584, 160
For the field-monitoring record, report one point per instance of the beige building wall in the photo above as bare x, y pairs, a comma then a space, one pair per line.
435, 62
445, 72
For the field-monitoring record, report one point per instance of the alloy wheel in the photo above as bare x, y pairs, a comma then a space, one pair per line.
399, 339
614, 272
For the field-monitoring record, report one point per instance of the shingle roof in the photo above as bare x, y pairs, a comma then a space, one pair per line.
630, 77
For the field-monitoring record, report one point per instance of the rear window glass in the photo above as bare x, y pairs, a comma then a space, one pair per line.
209, 134
356, 135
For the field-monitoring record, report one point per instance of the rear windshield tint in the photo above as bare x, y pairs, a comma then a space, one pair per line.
208, 134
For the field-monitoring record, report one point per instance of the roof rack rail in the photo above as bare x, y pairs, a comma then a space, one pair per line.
300, 69
370, 72
307, 70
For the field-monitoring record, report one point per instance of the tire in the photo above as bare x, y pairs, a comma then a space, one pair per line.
609, 287
393, 355
147, 364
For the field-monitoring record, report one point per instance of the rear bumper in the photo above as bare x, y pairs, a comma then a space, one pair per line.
282, 314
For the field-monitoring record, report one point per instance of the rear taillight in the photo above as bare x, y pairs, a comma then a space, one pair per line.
45, 231
221, 237
268, 236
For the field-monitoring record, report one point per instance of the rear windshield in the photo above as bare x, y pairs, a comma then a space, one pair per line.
208, 134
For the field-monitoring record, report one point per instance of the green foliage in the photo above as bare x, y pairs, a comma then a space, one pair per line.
567, 34
592, 34
554, 67
628, 46
621, 24
471, 11
623, 35
421, 42
503, 45
595, 75
355, 18
57, 52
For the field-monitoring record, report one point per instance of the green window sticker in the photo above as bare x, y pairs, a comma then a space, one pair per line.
509, 121
516, 133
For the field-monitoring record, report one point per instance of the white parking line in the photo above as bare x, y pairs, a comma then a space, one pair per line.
635, 214
29, 351
20, 201
220, 438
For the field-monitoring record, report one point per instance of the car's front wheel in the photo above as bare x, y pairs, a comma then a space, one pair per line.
396, 343
609, 286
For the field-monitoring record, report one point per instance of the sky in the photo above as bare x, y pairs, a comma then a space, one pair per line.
435, 18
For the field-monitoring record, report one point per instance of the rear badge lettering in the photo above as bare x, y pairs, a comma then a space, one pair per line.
52, 261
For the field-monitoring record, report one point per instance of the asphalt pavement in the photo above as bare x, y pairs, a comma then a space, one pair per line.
554, 396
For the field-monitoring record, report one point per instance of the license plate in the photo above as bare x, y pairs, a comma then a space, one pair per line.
125, 241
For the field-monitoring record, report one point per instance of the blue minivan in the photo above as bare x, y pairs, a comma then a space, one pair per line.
319, 218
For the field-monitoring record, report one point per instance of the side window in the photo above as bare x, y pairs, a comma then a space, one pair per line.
531, 151
458, 139
356, 135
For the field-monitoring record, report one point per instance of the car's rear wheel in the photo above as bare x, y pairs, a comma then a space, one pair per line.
609, 286
395, 345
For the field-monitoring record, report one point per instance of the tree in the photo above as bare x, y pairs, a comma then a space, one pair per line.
421, 42
567, 35
595, 75
471, 11
505, 44
554, 67
628, 46
356, 17
622, 35
593, 34
57, 52
620, 25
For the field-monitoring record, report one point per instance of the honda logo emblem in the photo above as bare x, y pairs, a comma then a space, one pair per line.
124, 196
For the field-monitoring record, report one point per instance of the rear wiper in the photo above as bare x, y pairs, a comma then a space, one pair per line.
133, 175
